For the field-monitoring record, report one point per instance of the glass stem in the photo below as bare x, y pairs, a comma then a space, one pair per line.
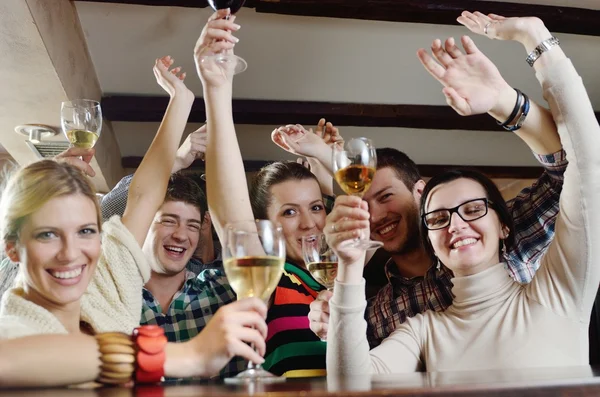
251, 365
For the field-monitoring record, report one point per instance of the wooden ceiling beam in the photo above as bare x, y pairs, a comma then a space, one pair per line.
558, 18
271, 112
427, 170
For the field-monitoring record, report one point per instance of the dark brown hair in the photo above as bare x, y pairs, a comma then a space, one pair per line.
270, 175
492, 192
403, 166
183, 188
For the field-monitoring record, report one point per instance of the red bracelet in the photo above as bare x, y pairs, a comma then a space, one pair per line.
150, 342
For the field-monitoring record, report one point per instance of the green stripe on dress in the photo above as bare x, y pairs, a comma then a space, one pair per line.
304, 276
312, 348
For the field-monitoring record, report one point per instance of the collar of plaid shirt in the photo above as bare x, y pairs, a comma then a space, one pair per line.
400, 282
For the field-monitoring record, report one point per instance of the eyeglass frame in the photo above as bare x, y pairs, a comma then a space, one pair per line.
453, 210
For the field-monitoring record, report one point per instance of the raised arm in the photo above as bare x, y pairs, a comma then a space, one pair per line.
568, 278
192, 148
149, 184
227, 191
473, 85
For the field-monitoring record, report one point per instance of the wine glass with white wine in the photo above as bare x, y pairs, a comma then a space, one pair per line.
320, 260
253, 259
354, 166
81, 122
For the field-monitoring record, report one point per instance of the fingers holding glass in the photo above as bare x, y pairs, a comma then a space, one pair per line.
216, 43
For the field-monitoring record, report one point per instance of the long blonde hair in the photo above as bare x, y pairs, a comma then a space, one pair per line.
28, 189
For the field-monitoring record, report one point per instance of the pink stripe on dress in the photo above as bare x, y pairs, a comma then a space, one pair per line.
286, 324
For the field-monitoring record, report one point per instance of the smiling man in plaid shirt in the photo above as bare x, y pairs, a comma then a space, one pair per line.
175, 298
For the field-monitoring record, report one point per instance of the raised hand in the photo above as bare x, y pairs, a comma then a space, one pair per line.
318, 316
191, 149
78, 157
296, 139
216, 37
229, 334
472, 83
498, 27
330, 134
170, 80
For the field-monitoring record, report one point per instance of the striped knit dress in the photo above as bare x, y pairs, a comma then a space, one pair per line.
293, 350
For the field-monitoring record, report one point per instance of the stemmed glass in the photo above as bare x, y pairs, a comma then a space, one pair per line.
81, 122
220, 58
320, 260
253, 259
354, 166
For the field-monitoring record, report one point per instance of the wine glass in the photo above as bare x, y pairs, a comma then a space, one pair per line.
81, 122
253, 259
354, 165
320, 260
222, 58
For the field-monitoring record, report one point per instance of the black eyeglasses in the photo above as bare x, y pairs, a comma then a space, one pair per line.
468, 211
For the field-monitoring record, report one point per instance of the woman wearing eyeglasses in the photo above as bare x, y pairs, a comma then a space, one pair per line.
494, 322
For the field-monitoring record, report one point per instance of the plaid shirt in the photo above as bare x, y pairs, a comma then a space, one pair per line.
191, 309
534, 212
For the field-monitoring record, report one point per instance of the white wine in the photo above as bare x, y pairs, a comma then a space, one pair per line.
323, 272
355, 179
254, 275
82, 138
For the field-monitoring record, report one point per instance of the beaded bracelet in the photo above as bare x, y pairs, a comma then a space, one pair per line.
117, 354
140, 356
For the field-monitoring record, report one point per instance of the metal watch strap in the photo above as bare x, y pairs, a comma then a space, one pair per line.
540, 49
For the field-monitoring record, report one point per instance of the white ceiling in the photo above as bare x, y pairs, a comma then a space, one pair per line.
317, 59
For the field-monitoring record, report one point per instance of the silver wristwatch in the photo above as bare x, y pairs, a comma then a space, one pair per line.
540, 49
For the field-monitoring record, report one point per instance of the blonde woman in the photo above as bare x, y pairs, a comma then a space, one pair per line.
82, 286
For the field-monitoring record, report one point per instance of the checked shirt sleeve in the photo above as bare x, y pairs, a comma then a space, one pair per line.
115, 201
534, 213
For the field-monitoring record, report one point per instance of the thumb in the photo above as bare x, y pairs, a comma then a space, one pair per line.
325, 295
458, 103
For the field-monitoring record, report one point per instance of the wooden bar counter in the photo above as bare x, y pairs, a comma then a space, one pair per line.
568, 381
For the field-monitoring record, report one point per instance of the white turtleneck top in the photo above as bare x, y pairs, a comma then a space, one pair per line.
494, 322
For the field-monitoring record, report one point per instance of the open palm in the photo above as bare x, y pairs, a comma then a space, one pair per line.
498, 27
472, 83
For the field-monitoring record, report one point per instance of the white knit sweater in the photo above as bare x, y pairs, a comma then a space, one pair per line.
112, 302
495, 323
